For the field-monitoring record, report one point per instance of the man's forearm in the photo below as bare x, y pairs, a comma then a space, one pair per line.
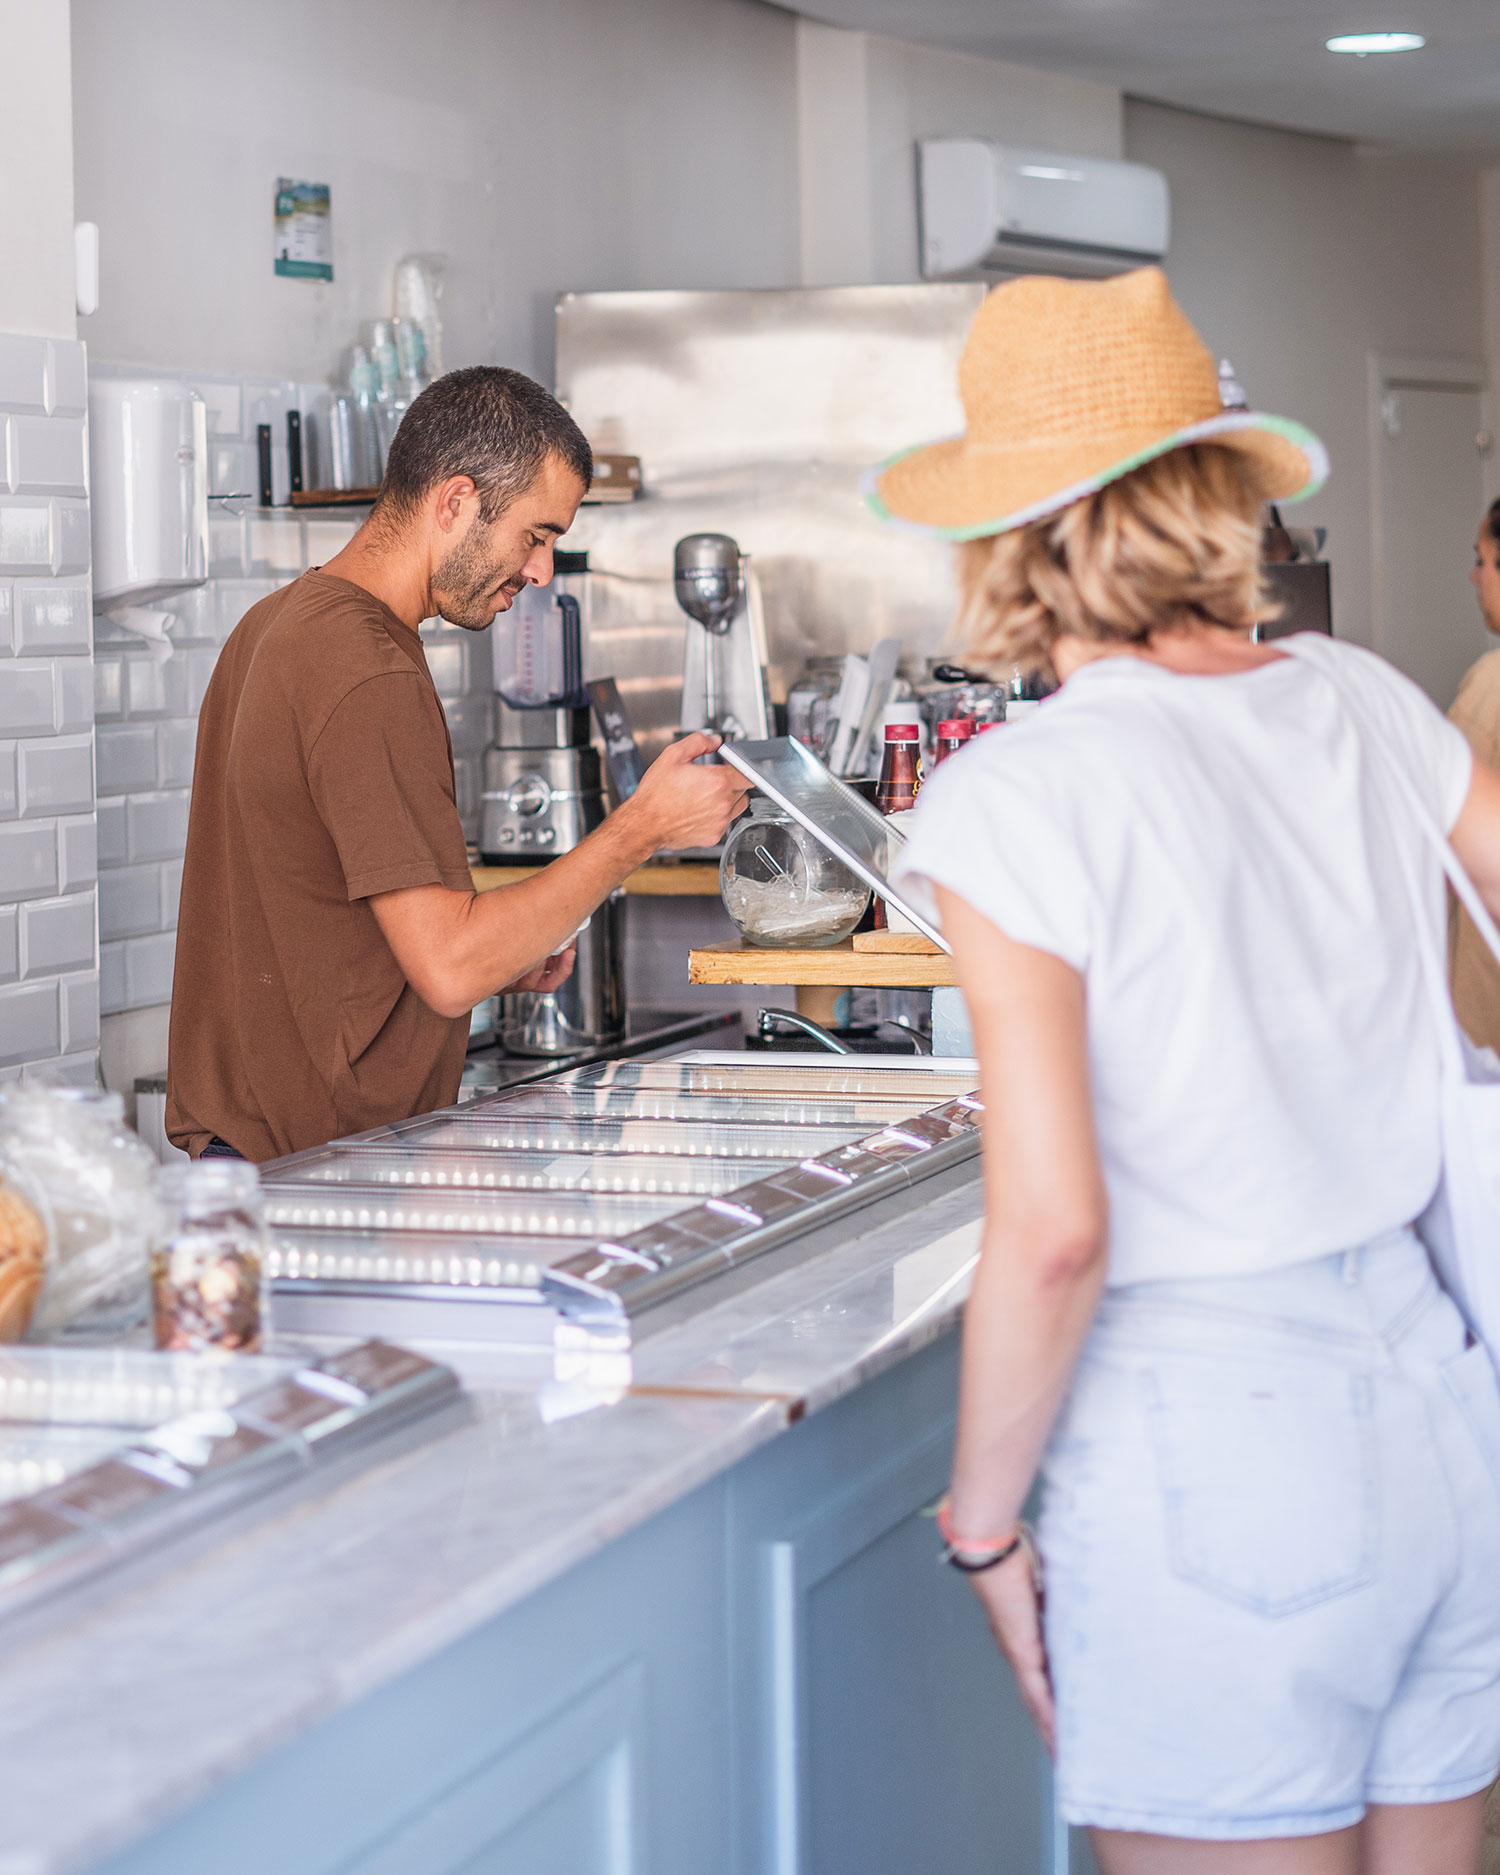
507, 931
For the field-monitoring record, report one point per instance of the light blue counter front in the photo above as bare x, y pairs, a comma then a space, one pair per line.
696, 1628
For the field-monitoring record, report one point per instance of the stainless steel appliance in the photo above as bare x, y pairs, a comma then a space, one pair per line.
543, 793
724, 665
755, 414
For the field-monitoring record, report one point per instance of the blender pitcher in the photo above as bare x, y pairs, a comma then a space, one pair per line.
543, 793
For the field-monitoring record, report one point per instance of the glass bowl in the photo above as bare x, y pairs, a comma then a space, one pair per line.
782, 889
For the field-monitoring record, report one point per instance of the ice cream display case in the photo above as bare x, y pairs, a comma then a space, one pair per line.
108, 1452
595, 1195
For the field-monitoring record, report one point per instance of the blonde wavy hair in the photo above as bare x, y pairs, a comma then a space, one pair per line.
1174, 541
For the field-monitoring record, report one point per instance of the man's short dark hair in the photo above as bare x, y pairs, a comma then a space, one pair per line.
495, 425
1492, 522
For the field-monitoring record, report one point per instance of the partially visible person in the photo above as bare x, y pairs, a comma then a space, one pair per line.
1476, 710
1265, 1634
330, 943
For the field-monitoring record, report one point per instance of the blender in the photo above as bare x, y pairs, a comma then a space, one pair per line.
543, 793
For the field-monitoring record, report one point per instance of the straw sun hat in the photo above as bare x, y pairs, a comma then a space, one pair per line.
1070, 384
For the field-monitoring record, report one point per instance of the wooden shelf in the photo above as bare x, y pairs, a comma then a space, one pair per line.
840, 966
692, 879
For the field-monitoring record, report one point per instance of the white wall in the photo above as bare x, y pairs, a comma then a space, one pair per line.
1489, 250
863, 103
578, 145
1297, 257
36, 171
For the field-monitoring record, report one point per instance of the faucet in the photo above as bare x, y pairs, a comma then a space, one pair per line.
920, 1044
769, 1020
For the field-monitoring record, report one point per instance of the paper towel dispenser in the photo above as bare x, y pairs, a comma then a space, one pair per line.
148, 476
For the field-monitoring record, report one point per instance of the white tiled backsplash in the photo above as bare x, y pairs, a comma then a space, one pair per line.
49, 980
61, 964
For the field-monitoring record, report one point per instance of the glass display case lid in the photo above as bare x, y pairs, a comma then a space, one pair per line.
503, 1129
837, 817
443, 1171
843, 1075
791, 1111
292, 1203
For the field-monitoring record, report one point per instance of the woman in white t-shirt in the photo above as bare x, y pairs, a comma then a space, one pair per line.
1270, 1524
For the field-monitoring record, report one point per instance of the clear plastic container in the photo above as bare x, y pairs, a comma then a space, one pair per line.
809, 704
99, 1181
207, 1273
783, 889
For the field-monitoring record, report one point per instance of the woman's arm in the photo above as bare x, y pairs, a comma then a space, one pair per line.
1476, 834
1042, 1262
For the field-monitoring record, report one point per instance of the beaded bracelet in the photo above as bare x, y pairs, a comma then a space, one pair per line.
973, 1559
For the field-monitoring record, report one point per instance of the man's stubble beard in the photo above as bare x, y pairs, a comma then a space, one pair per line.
462, 579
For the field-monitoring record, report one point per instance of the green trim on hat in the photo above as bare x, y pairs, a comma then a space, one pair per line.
1229, 423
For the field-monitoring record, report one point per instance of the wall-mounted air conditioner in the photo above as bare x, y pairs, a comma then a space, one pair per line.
993, 207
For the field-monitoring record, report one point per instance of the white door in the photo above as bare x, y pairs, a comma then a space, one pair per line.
1431, 500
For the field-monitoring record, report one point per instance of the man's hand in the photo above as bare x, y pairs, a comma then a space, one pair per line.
456, 947
680, 804
548, 975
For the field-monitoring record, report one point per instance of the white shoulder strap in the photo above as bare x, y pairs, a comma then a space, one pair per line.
1378, 747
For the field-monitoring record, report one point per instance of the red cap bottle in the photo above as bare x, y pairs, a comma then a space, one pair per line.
900, 770
952, 734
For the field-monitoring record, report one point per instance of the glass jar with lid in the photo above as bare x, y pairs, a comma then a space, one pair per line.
782, 888
98, 1180
206, 1271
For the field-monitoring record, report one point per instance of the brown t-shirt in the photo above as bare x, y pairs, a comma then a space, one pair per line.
324, 774
1475, 974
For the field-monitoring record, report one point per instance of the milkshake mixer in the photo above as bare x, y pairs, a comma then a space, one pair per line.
723, 667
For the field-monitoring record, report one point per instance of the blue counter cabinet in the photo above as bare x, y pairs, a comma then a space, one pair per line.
772, 1677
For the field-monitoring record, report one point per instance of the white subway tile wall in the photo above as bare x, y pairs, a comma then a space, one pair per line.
97, 737
49, 976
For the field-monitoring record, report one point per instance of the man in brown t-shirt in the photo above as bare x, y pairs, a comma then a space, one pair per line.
330, 944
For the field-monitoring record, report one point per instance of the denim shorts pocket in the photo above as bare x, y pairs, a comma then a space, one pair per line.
1470, 1380
1268, 1477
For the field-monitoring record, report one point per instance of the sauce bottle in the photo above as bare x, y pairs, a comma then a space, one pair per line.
900, 770
952, 734
899, 785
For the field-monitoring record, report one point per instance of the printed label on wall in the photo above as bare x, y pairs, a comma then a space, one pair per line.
304, 230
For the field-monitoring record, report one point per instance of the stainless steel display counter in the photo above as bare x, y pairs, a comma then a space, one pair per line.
600, 1193
664, 1602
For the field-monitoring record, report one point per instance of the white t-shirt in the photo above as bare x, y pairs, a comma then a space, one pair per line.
1210, 854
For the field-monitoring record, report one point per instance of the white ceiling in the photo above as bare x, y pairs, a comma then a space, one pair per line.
1257, 59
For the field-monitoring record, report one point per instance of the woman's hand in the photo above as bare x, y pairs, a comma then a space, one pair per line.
1012, 1598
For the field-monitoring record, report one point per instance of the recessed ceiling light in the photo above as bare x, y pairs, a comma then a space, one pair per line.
1363, 44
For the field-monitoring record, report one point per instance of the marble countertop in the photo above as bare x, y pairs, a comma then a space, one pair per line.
119, 1714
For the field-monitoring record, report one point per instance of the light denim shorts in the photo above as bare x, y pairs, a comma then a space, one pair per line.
1270, 1532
